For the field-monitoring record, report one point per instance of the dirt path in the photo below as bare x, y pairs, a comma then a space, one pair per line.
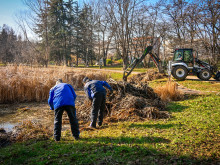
194, 91
188, 91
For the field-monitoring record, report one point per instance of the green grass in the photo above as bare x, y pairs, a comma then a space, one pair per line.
201, 85
1, 64
191, 136
118, 68
207, 86
116, 76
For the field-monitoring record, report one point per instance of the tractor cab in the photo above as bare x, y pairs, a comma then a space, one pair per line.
185, 55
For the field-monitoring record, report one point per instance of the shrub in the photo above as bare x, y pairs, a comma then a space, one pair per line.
119, 61
108, 61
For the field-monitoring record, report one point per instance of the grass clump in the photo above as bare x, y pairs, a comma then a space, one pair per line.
169, 92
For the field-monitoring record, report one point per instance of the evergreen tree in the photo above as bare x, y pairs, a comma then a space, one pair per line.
87, 26
61, 19
8, 41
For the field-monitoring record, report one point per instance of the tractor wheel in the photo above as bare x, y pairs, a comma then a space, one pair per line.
179, 72
205, 74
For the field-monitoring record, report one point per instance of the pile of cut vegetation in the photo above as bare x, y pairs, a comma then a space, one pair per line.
150, 75
128, 103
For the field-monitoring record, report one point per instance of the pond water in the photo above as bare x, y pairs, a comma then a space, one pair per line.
8, 126
13, 114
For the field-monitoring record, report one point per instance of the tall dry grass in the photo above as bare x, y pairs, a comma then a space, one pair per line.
169, 92
22, 83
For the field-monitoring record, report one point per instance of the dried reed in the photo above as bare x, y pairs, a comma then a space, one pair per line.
169, 92
29, 130
22, 83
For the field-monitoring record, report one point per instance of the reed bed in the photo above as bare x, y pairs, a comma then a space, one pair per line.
25, 84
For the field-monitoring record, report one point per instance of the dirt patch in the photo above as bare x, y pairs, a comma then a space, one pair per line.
188, 91
27, 130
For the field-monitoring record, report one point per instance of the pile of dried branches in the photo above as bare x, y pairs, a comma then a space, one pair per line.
150, 75
128, 103
134, 103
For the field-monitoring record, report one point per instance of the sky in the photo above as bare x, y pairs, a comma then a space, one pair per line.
8, 10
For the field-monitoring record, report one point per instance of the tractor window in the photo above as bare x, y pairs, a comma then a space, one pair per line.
188, 56
178, 55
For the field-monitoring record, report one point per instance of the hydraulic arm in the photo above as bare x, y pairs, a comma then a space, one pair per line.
147, 51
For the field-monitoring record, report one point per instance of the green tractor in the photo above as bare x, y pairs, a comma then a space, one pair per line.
185, 62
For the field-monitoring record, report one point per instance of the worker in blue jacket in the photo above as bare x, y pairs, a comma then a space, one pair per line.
62, 98
96, 92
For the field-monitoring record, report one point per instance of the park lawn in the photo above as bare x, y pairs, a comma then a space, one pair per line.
190, 136
109, 67
206, 86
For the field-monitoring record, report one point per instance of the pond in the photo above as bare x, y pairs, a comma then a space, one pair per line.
13, 114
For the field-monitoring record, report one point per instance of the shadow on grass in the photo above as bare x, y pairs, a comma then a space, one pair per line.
128, 140
104, 150
175, 107
179, 107
160, 126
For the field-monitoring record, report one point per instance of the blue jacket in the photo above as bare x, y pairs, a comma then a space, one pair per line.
61, 95
94, 86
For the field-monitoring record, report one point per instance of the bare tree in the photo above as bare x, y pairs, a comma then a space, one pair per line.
176, 11
208, 27
39, 21
121, 14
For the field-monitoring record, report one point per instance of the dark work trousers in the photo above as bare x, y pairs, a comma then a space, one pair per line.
98, 107
71, 112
